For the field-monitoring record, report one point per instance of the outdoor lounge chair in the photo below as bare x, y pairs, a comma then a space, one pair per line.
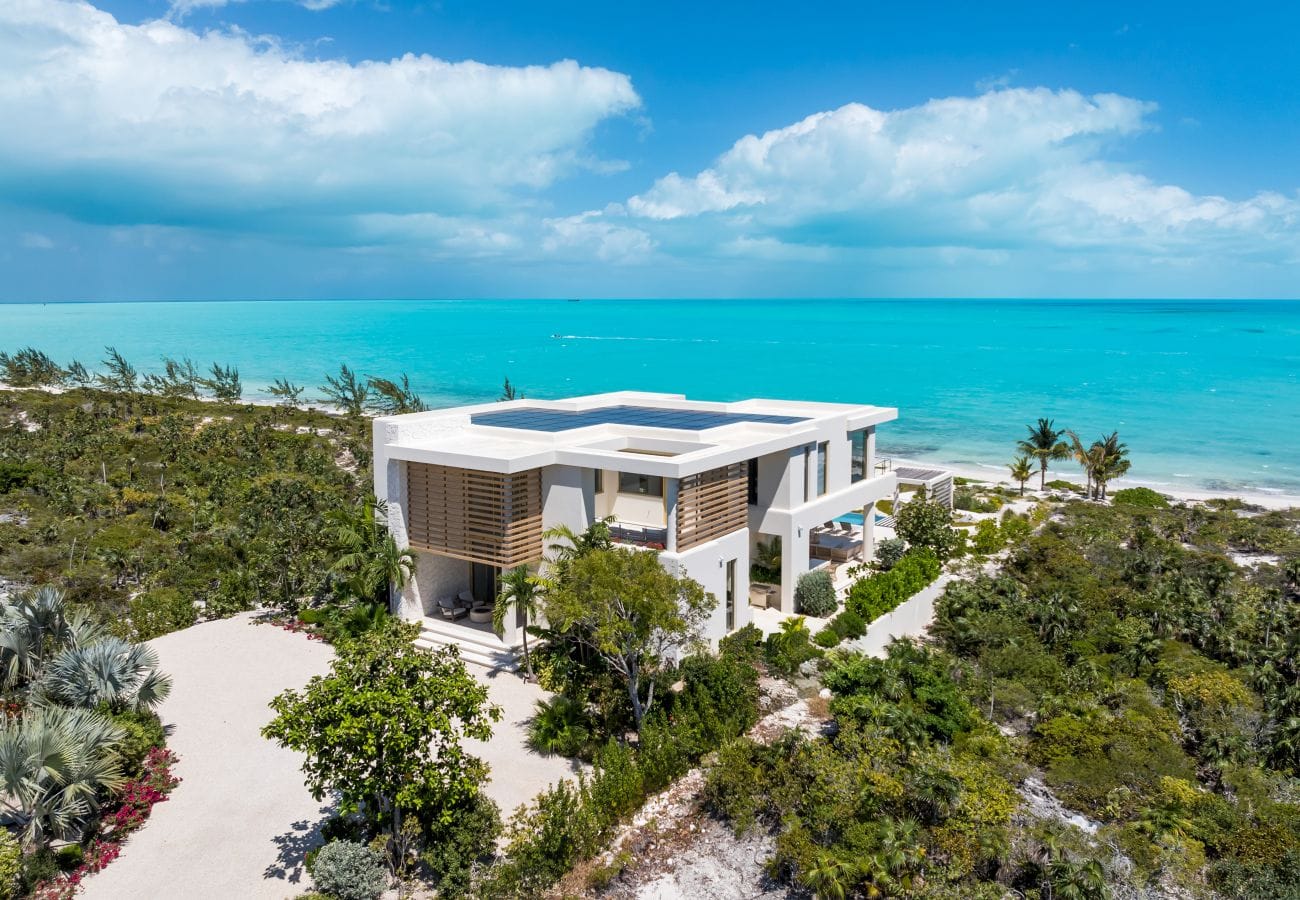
846, 528
452, 608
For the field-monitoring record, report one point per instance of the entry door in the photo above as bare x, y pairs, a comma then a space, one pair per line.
484, 582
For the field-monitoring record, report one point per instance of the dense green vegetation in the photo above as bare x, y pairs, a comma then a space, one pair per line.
155, 509
1120, 658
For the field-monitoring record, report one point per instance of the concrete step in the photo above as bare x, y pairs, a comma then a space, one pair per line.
482, 648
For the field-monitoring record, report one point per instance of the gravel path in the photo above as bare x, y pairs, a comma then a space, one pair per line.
241, 819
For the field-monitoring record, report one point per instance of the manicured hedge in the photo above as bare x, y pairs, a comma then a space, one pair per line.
872, 597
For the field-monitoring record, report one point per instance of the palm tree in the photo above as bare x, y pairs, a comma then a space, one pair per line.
1043, 444
829, 877
55, 764
112, 672
567, 544
522, 592
1022, 469
369, 560
1111, 461
35, 625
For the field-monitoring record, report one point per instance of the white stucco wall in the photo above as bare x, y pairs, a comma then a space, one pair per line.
436, 576
707, 565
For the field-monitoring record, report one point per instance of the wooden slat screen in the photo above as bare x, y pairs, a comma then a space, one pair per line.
712, 504
480, 516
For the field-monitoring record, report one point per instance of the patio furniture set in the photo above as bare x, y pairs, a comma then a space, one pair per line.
464, 604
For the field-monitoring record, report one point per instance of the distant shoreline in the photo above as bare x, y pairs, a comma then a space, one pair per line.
986, 472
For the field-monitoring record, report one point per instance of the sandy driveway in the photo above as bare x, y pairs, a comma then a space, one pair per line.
240, 821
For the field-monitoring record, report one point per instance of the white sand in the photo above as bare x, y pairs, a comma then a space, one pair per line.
240, 820
1068, 472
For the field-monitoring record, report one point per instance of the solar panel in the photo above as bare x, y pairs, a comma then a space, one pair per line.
531, 418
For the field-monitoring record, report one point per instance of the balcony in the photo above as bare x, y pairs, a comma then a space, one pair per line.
639, 535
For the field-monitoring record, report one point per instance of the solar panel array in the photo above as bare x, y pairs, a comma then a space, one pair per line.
532, 418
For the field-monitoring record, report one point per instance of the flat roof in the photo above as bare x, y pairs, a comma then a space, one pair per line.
537, 418
632, 431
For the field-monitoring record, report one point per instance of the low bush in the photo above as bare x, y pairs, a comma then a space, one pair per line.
827, 638
349, 871
744, 644
791, 647
143, 731
1141, 496
848, 625
456, 849
872, 597
971, 501
889, 552
560, 727
159, 612
37, 868
814, 594
11, 864
1060, 484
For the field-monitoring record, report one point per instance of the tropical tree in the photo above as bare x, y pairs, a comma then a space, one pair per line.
368, 561
384, 730
110, 672
121, 377
927, 523
1111, 462
223, 382
391, 398
1022, 469
565, 544
1044, 444
632, 613
521, 592
55, 765
510, 392
346, 392
286, 391
35, 625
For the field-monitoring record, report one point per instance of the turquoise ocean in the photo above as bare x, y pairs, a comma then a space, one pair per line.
1206, 393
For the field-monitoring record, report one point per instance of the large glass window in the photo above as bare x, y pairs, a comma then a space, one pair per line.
858, 454
753, 482
822, 450
731, 595
632, 483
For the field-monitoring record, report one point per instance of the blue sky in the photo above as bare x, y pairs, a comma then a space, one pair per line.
273, 148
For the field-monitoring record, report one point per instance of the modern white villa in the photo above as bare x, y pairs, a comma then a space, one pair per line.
472, 489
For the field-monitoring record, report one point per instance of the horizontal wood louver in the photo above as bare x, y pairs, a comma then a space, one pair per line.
712, 504
483, 517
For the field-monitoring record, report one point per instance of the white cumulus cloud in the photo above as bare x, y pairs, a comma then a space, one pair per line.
159, 124
1014, 168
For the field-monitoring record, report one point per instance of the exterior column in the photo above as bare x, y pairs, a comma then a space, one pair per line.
670, 513
794, 562
868, 531
869, 453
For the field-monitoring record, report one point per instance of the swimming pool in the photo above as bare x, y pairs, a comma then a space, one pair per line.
855, 518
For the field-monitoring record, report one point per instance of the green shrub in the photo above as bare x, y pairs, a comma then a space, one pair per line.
827, 638
889, 552
455, 849
11, 864
848, 625
987, 538
926, 524
37, 867
791, 647
69, 857
745, 644
17, 475
142, 732
1141, 496
872, 597
967, 499
560, 727
349, 871
814, 594
160, 611
1060, 484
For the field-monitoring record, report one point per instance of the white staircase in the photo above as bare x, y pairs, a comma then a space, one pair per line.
479, 647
